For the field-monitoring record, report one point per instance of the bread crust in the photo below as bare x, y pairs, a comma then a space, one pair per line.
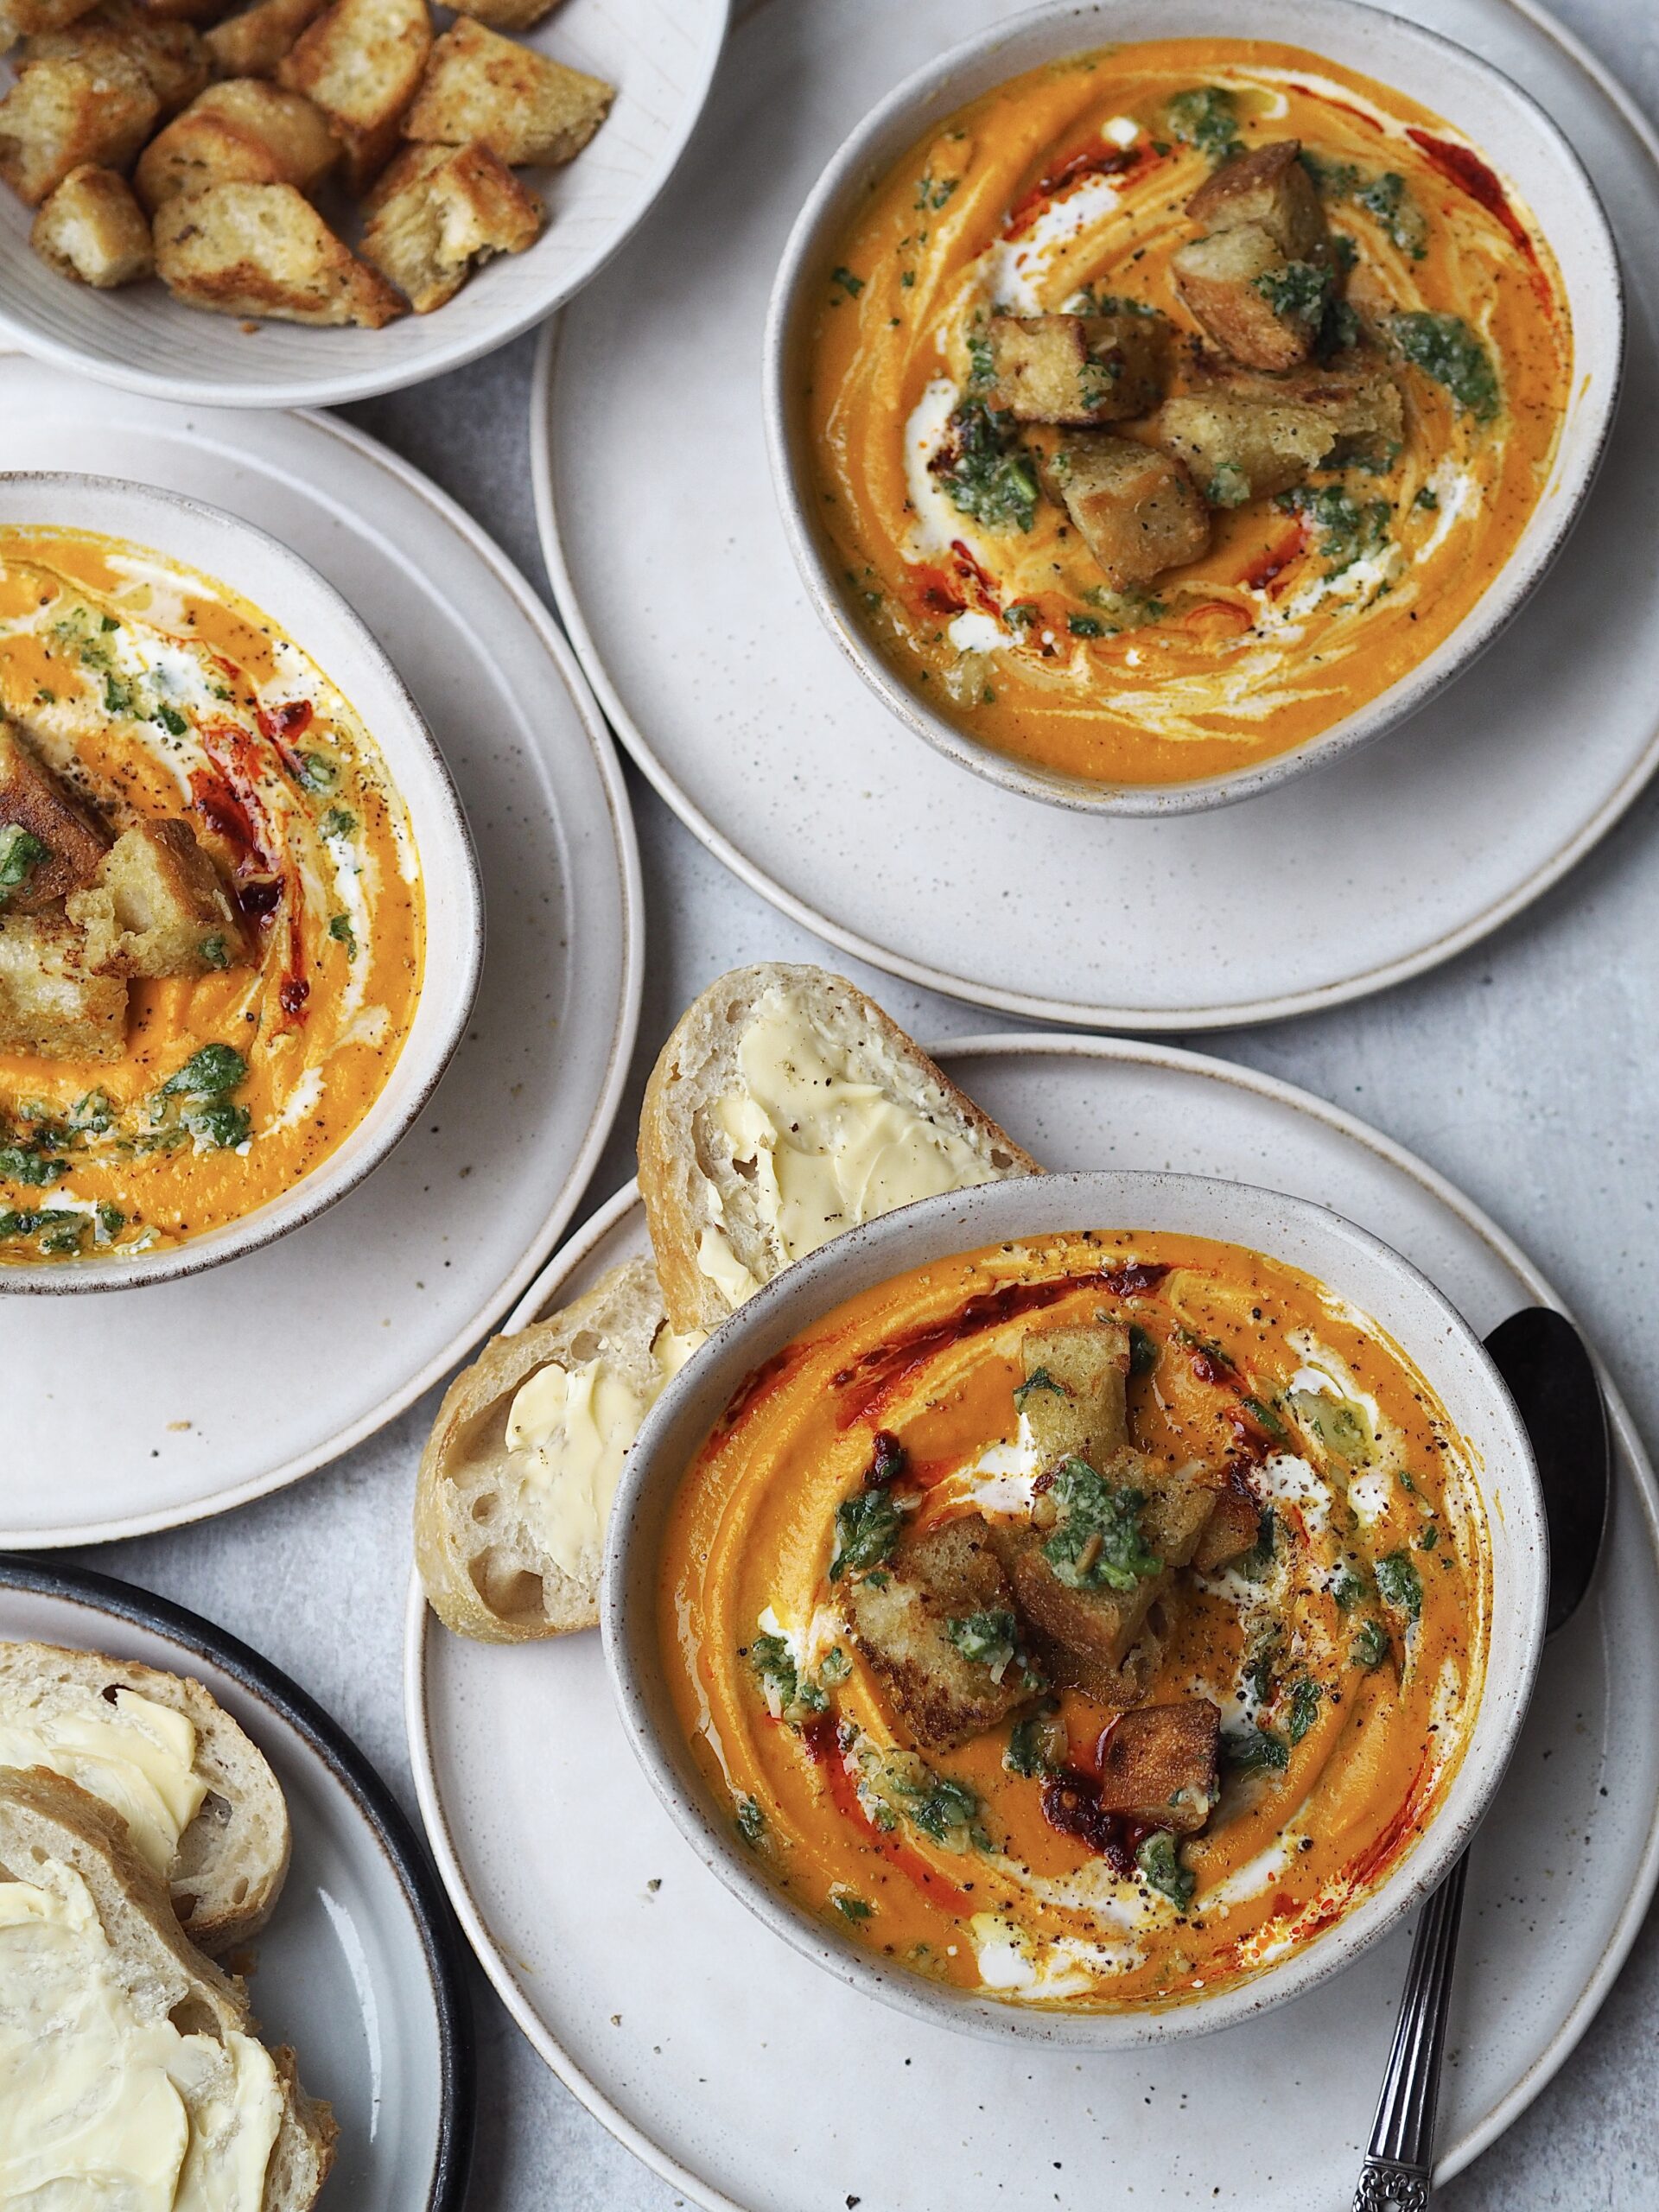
668, 1172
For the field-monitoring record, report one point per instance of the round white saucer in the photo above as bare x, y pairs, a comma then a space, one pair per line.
359, 1969
736, 701
138, 1409
756, 2083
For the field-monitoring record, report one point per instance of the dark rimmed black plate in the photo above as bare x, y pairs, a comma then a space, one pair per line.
360, 1969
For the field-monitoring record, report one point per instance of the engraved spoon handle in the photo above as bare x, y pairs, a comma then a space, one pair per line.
1400, 2164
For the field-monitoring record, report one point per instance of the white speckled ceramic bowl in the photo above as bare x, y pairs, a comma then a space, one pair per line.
315, 616
1333, 1251
1515, 134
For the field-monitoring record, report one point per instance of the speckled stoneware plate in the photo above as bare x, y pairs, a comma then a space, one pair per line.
158, 1405
718, 674
660, 54
719, 2056
360, 1969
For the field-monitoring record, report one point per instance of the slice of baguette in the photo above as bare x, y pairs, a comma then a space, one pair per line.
479, 1528
696, 1182
47, 1825
231, 1859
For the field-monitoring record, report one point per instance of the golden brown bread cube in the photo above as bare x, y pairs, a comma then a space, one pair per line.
482, 90
1233, 1527
1136, 508
361, 62
64, 114
902, 1621
440, 210
1158, 1764
182, 11
254, 249
252, 43
1073, 1398
1078, 369
1246, 436
20, 18
56, 1001
1257, 306
244, 132
508, 15
170, 913
93, 230
171, 57
1267, 187
33, 800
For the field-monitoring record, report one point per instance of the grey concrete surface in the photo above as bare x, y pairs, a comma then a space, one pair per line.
1527, 1071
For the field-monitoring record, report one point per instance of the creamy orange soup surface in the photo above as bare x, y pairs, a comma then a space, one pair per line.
1089, 1621
1064, 190
152, 692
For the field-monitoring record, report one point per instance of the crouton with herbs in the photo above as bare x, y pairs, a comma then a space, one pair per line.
170, 56
252, 43
61, 116
168, 911
244, 132
1261, 279
482, 90
441, 211
1159, 1765
1076, 369
59, 997
262, 249
48, 845
1137, 510
360, 62
1244, 436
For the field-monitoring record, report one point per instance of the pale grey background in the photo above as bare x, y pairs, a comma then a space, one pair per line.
1528, 1072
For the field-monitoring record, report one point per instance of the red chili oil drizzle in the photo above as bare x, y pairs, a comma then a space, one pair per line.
1464, 167
1071, 1806
876, 1374
259, 897
824, 1746
969, 567
936, 594
1273, 560
1107, 160
279, 724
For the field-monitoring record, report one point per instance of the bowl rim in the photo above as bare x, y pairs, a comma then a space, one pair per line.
318, 1190
808, 1288
1498, 605
337, 388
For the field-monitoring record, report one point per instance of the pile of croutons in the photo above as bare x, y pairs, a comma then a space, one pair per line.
153, 147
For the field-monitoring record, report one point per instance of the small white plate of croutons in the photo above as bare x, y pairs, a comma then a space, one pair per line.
327, 180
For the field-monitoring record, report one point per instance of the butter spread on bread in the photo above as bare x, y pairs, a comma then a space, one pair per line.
569, 1430
129, 1751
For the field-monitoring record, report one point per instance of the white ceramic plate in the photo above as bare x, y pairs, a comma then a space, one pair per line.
720, 679
207, 1392
721, 2057
660, 54
359, 1969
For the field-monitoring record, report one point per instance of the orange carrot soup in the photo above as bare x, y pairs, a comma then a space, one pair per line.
211, 912
1088, 1621
1168, 403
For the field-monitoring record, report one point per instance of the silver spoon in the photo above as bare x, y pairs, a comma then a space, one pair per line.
1544, 1360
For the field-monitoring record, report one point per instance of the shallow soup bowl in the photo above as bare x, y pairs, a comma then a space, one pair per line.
1345, 1261
222, 550
1516, 139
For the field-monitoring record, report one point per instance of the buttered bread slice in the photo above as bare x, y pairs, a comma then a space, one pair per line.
201, 1804
131, 2069
785, 1108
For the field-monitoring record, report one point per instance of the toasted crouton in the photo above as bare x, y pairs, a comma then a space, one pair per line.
252, 43
508, 15
56, 999
171, 57
1158, 1765
92, 229
241, 132
32, 800
479, 89
439, 210
1137, 510
1074, 1396
1246, 436
1078, 369
184, 11
20, 18
1270, 188
263, 250
911, 1622
171, 914
361, 62
65, 115
1260, 307
1234, 1525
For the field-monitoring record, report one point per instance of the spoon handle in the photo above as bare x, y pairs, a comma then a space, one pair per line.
1400, 2164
